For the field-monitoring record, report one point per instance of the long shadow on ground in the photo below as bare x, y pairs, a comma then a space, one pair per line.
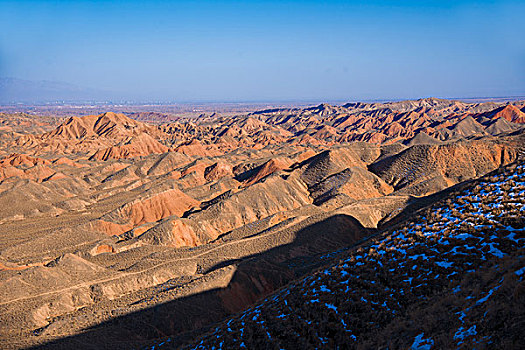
255, 277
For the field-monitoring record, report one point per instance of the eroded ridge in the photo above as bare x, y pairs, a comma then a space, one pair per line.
115, 232
451, 278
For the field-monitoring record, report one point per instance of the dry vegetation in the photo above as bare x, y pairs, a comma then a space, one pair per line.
115, 233
450, 278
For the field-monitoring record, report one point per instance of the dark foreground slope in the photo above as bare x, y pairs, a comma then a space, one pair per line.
453, 277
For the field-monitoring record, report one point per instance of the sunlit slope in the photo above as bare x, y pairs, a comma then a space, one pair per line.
452, 277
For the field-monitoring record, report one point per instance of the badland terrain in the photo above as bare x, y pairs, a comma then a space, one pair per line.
363, 225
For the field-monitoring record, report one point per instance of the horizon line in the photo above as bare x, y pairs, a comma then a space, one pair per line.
129, 102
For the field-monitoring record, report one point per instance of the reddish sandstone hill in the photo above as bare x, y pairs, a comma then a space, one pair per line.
448, 278
323, 125
172, 232
151, 207
355, 183
268, 168
10, 171
26, 167
250, 125
136, 146
499, 126
90, 133
230, 211
217, 171
424, 169
168, 162
109, 125
24, 123
324, 164
23, 160
196, 148
510, 112
391, 122
110, 226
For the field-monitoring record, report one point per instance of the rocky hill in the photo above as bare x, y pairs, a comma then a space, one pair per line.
425, 121
451, 277
110, 226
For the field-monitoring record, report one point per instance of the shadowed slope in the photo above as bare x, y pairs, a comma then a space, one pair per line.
451, 277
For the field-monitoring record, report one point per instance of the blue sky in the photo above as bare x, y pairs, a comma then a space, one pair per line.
269, 50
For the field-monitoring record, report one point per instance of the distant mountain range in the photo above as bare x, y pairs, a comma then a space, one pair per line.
14, 90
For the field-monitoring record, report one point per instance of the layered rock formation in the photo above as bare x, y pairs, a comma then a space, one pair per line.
112, 228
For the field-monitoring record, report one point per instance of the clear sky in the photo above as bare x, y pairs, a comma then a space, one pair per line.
269, 50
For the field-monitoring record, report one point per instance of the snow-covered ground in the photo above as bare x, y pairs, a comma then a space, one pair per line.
462, 249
